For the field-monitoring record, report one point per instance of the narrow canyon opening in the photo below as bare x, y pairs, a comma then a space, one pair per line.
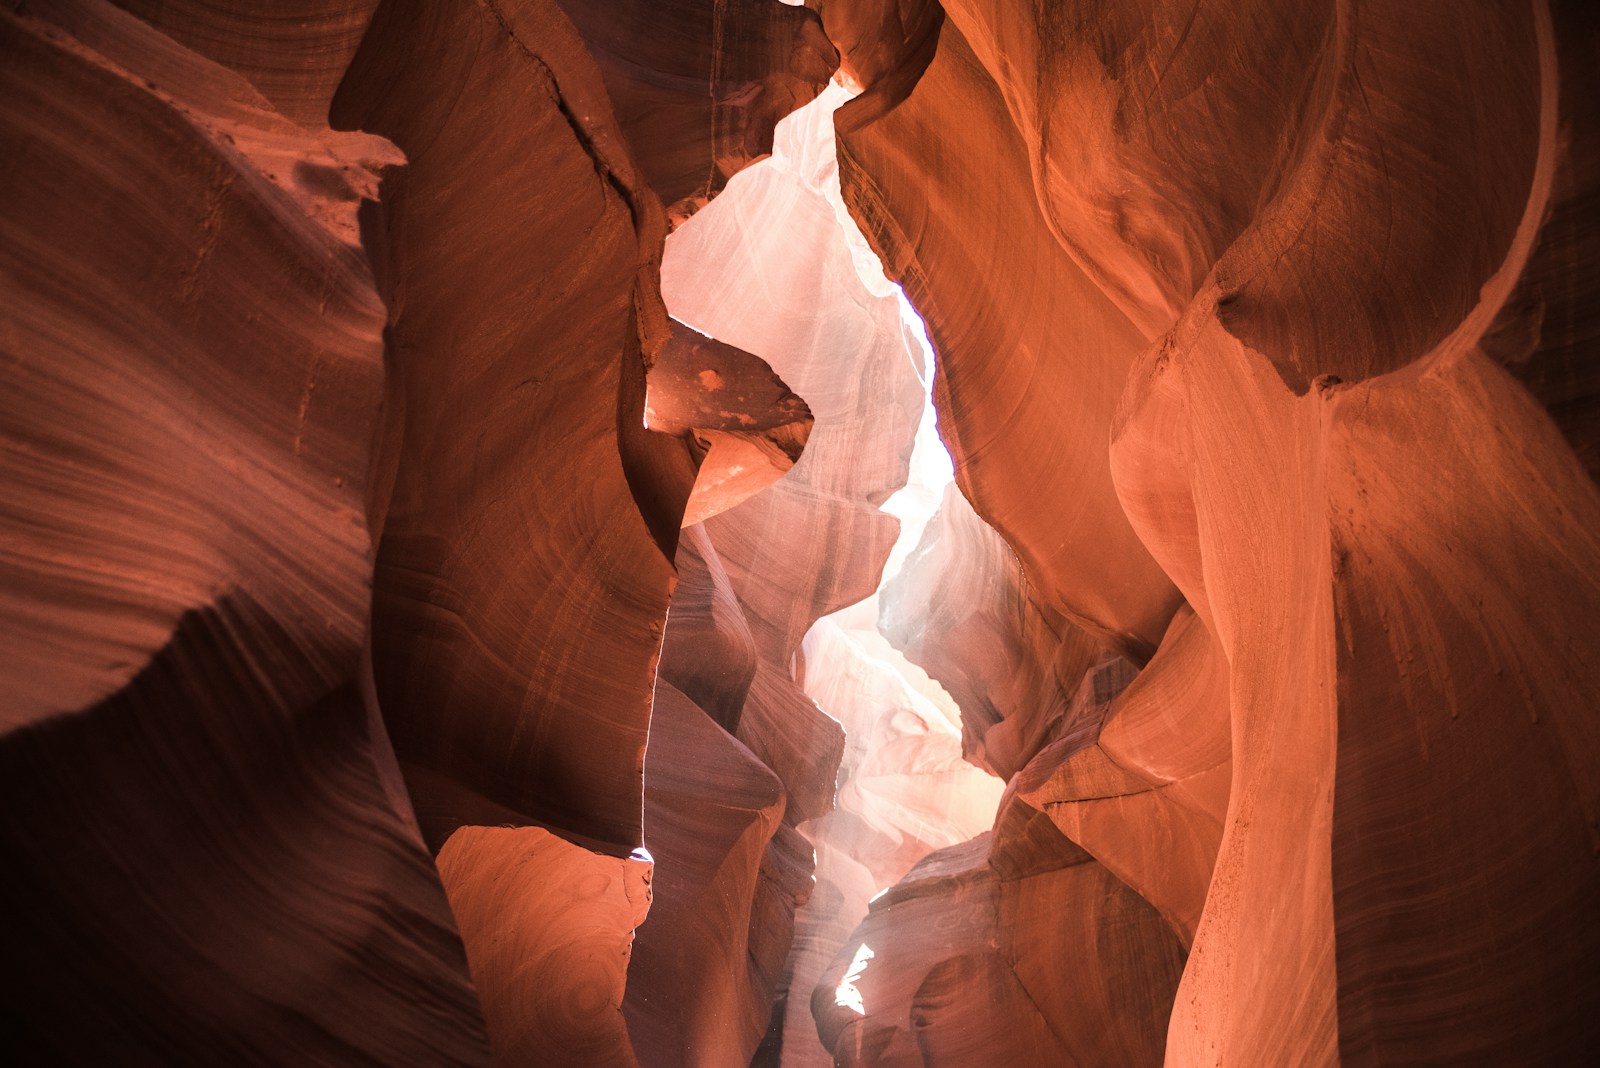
776, 266
480, 582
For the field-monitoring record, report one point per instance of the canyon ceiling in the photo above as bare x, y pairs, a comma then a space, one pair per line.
480, 581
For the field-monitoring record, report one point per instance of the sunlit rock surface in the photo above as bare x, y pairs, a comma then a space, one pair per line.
904, 791
1265, 343
1280, 308
762, 572
962, 608
548, 927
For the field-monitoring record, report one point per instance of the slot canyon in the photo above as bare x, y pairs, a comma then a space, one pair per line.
876, 533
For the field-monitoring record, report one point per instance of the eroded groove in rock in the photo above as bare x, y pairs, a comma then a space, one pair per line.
1445, 678
205, 859
117, 296
699, 85
515, 625
997, 287
1372, 675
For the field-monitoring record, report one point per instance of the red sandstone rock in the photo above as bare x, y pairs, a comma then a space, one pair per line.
1346, 545
208, 855
548, 926
698, 85
1225, 297
516, 625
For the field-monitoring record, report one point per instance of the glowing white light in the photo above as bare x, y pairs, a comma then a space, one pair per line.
847, 996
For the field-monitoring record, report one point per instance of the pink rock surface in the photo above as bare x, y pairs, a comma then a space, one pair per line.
208, 851
1265, 338
548, 927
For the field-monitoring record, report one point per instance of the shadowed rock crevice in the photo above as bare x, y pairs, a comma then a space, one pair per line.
448, 621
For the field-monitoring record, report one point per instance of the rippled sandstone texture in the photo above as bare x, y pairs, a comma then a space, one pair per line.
207, 847
1267, 348
1249, 276
208, 456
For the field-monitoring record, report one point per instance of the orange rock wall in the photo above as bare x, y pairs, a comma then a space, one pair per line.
412, 560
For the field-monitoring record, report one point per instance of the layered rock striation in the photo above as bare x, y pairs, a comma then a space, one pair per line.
1289, 304
418, 575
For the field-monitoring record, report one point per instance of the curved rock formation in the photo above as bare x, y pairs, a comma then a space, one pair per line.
963, 610
1307, 413
696, 995
1046, 960
1148, 795
699, 85
208, 850
499, 676
294, 53
999, 287
1266, 343
548, 926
